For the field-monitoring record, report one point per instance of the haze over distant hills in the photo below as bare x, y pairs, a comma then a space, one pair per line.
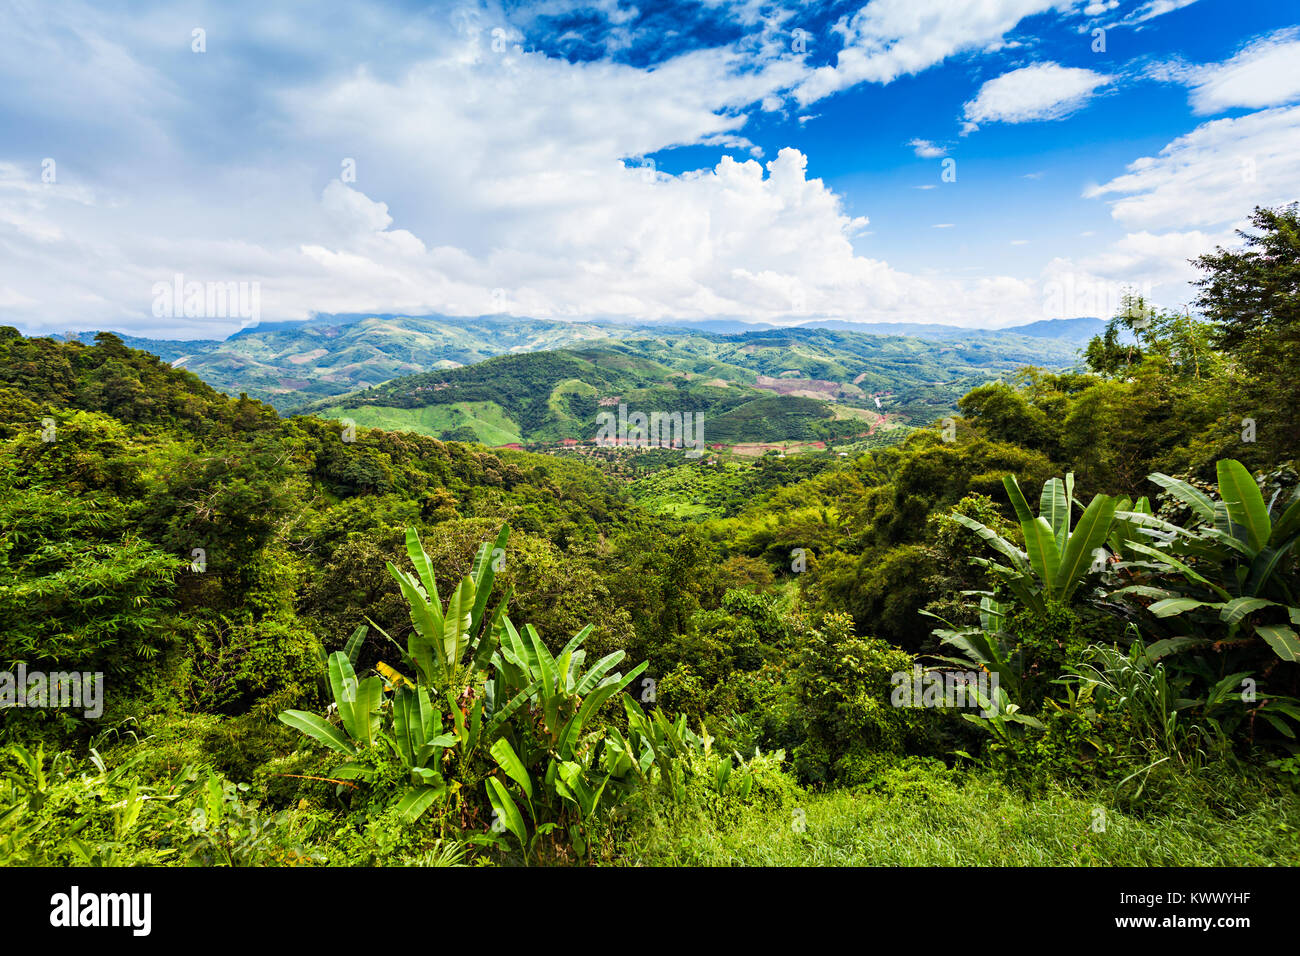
290, 364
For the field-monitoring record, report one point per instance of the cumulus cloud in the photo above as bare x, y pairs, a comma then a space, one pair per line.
477, 170
1212, 174
1211, 178
1043, 91
480, 168
1156, 266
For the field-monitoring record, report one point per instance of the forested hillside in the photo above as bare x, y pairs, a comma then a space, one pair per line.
551, 396
1057, 629
790, 385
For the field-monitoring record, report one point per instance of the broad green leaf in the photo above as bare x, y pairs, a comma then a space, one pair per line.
414, 722
545, 662
365, 711
1229, 686
501, 716
1092, 530
456, 625
1171, 606
597, 672
1238, 608
1262, 568
416, 800
423, 566
344, 684
506, 810
1286, 526
1279, 725
1144, 590
353, 646
424, 644
1177, 565
475, 726
487, 638
320, 729
1173, 645
576, 641
483, 574
1055, 507
1069, 501
606, 690
1018, 502
1245, 504
1282, 639
996, 541
523, 650
1198, 500
509, 761
1040, 544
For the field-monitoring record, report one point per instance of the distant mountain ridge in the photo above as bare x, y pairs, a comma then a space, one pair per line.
780, 384
290, 364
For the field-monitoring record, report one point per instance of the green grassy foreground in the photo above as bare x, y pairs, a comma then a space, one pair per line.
916, 815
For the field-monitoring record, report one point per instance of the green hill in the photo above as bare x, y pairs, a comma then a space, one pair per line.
753, 387
548, 396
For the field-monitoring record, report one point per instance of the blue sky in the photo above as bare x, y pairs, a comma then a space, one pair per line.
781, 162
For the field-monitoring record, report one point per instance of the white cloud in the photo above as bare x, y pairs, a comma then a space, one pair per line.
1155, 8
1211, 177
1265, 73
476, 171
1214, 174
1153, 265
887, 39
927, 150
1043, 91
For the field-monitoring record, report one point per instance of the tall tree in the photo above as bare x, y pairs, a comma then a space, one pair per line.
1253, 293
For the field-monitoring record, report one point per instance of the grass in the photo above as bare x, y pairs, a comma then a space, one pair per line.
488, 419
920, 817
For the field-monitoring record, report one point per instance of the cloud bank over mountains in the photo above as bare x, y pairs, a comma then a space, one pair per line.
470, 159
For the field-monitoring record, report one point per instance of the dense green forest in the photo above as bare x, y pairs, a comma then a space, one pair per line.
1057, 628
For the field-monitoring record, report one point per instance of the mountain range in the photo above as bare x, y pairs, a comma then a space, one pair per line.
291, 364
794, 384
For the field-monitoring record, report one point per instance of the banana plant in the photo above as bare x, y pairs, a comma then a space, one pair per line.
1228, 564
1128, 527
357, 704
415, 734
555, 685
1057, 557
558, 758
999, 716
419, 741
987, 646
445, 647
663, 753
